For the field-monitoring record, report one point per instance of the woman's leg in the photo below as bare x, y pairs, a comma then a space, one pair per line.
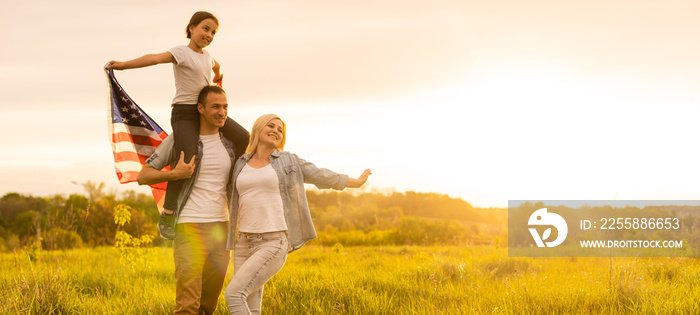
255, 261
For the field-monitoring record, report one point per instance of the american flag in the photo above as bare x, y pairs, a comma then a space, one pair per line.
134, 136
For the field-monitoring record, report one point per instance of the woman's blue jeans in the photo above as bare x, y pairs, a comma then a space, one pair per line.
256, 258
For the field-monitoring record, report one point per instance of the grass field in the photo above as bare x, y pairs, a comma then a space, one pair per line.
364, 280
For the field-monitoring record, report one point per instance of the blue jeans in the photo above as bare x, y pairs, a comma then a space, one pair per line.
256, 258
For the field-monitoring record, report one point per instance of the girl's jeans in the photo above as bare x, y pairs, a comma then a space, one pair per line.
256, 258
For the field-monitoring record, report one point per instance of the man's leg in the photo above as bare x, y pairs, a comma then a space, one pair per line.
189, 261
215, 266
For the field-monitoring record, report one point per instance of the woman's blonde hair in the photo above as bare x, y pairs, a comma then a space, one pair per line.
258, 126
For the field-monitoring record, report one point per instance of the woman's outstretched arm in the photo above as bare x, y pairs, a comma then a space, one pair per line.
358, 182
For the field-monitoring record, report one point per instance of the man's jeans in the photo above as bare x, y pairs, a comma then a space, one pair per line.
256, 258
201, 259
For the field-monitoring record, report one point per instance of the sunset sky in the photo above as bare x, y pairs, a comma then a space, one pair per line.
482, 100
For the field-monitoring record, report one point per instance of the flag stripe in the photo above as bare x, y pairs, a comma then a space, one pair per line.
130, 147
127, 177
134, 137
129, 156
128, 166
138, 131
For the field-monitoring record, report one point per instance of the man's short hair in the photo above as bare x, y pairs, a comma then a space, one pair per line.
209, 89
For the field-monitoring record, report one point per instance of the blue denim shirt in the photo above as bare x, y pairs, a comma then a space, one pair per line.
292, 172
164, 156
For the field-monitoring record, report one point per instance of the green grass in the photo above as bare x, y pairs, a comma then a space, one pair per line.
364, 280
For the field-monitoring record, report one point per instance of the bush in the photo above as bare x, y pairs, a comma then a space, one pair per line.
409, 231
58, 238
415, 231
13, 242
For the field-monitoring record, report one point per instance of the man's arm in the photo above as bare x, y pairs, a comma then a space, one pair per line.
152, 176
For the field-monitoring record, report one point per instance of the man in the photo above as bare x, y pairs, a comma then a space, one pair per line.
201, 218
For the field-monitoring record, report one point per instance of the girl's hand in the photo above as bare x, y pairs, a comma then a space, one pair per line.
116, 65
218, 77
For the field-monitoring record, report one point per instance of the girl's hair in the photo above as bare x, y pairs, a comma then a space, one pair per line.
197, 18
258, 126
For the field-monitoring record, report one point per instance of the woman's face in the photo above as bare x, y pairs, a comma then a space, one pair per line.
271, 133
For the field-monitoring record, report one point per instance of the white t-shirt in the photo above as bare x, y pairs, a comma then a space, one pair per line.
207, 201
192, 73
259, 202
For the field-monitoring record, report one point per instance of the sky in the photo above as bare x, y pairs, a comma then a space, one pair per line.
487, 101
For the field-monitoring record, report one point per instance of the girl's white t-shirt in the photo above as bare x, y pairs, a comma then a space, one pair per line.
207, 201
259, 202
192, 73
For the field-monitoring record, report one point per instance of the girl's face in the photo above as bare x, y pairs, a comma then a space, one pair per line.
203, 33
272, 133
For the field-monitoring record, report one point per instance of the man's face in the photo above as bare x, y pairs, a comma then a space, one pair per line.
214, 110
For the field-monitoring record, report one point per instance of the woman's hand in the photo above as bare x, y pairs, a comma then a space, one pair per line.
358, 182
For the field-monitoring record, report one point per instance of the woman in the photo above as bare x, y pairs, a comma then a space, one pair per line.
269, 214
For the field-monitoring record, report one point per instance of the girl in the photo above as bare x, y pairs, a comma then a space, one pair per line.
192, 66
269, 215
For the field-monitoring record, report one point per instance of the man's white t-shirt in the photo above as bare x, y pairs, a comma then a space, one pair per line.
207, 201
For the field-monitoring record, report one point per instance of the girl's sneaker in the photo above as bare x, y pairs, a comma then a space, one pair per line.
166, 226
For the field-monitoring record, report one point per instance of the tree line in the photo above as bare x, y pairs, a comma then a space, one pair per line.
410, 218
347, 218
